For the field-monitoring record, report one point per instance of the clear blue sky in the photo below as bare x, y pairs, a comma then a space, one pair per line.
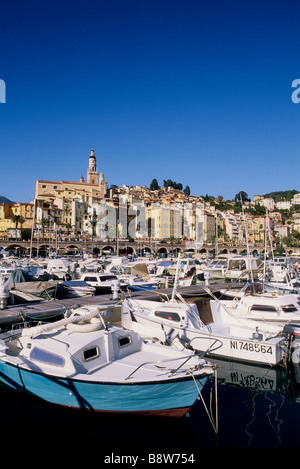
197, 91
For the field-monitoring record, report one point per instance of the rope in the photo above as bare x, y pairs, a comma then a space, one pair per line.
214, 424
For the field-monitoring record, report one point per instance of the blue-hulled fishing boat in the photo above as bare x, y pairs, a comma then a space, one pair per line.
81, 362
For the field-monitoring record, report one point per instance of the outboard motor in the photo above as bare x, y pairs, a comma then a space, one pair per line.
292, 332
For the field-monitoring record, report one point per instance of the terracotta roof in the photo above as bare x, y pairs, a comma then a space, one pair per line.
67, 182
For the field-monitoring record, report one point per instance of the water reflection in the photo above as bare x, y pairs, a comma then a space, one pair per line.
258, 407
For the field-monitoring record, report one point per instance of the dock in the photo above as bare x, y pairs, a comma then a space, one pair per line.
53, 309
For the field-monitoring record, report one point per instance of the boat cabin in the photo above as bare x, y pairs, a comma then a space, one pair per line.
177, 315
62, 352
96, 279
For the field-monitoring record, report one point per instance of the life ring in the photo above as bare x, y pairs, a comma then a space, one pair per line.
93, 324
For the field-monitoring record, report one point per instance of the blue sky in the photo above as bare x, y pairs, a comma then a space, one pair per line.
197, 91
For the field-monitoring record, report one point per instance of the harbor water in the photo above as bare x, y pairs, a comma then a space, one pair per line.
257, 407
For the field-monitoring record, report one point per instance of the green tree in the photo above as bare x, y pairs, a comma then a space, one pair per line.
241, 195
93, 224
154, 185
43, 222
26, 234
17, 219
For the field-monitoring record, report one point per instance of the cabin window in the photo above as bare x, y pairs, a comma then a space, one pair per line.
171, 316
44, 356
90, 354
90, 279
266, 308
124, 341
289, 308
104, 278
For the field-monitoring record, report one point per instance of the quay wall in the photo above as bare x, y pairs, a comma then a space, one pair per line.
135, 248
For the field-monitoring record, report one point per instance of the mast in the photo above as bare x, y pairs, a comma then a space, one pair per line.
247, 240
32, 229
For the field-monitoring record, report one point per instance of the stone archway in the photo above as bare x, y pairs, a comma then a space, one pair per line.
126, 250
13, 247
162, 252
146, 250
190, 251
17, 249
109, 250
176, 251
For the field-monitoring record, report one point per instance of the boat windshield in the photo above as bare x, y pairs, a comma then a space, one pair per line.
267, 308
170, 315
217, 263
237, 264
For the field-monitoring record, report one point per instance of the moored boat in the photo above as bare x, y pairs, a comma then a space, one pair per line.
102, 282
74, 288
255, 303
80, 362
206, 327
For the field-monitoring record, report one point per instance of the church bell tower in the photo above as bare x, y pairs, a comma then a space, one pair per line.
92, 174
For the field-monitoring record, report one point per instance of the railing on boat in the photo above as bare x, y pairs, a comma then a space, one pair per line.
173, 371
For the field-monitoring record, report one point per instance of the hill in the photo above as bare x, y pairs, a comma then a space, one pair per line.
282, 195
4, 200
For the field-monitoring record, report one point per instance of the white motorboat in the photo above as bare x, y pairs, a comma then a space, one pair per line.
74, 288
135, 275
255, 303
136, 282
80, 362
206, 327
243, 267
282, 274
234, 267
103, 282
59, 267
215, 269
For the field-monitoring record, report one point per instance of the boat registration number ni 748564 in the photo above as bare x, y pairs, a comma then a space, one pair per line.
251, 347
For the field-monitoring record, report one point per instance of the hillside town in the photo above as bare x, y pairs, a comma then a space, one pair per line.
75, 210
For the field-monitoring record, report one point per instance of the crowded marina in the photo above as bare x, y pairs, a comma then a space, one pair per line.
170, 304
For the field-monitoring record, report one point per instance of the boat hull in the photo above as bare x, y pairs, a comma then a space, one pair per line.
234, 347
241, 349
165, 398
